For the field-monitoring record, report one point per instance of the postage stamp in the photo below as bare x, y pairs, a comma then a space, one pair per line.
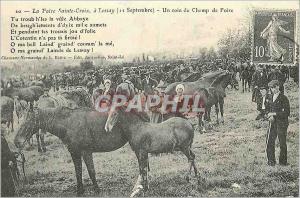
274, 37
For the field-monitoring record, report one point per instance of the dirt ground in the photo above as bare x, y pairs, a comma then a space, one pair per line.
230, 156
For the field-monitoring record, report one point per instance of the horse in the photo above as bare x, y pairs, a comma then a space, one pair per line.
29, 94
37, 83
175, 134
7, 112
81, 130
72, 99
219, 85
219, 80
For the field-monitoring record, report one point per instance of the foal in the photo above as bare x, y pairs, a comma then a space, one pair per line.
175, 134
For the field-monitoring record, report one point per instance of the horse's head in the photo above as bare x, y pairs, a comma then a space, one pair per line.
224, 79
112, 119
27, 128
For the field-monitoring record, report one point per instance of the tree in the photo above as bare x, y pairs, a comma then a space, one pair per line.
203, 53
235, 44
211, 54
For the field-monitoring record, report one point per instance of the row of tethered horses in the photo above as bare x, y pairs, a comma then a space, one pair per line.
69, 116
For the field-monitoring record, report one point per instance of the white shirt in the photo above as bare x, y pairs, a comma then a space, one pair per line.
275, 96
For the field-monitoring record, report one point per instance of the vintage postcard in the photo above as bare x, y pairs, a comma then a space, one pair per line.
149, 98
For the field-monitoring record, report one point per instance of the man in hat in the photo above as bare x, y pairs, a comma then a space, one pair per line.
276, 74
263, 102
155, 113
126, 79
259, 79
148, 83
278, 119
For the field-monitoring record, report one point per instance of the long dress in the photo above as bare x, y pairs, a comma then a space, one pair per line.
274, 50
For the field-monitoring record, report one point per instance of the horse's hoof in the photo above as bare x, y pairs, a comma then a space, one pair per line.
80, 192
97, 189
39, 150
44, 150
187, 178
137, 191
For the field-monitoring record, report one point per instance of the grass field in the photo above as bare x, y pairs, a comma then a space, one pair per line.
231, 157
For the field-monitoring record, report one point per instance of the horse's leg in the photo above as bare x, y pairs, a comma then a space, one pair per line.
249, 85
7, 126
143, 165
42, 138
217, 111
88, 160
141, 182
191, 157
76, 157
38, 141
12, 125
201, 123
18, 117
243, 85
144, 162
221, 103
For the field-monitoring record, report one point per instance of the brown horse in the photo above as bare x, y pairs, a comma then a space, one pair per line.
7, 111
81, 130
218, 80
72, 99
29, 94
175, 134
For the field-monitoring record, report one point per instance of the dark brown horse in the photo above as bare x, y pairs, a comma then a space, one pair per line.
72, 99
81, 130
175, 134
218, 80
7, 111
29, 94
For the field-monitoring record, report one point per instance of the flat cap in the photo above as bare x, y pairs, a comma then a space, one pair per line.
273, 83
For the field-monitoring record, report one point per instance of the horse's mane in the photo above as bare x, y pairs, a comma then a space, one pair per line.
81, 93
212, 74
220, 78
141, 115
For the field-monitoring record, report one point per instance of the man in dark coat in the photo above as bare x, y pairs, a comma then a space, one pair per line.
148, 84
276, 74
263, 103
259, 79
278, 118
7, 159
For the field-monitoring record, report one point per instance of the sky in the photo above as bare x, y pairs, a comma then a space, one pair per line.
137, 33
